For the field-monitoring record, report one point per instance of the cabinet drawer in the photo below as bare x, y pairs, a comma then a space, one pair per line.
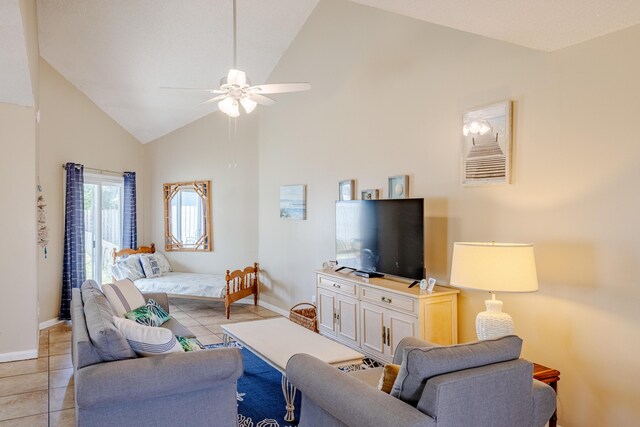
391, 300
336, 285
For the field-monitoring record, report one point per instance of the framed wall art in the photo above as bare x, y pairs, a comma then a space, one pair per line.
347, 189
486, 145
293, 202
399, 187
370, 194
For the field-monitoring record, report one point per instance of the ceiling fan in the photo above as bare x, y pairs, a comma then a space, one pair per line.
236, 90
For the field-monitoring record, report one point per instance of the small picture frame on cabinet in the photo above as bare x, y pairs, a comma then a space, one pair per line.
347, 189
399, 187
370, 194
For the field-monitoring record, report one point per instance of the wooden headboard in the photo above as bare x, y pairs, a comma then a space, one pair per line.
141, 250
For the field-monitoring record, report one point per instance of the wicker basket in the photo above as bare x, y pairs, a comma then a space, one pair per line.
304, 314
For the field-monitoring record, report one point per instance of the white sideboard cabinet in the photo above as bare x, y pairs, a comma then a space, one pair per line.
373, 315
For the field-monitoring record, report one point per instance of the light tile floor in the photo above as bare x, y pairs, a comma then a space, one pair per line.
39, 392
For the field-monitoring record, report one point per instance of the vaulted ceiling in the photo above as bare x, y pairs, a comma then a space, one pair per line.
15, 80
120, 52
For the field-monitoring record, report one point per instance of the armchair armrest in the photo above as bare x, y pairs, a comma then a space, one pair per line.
544, 403
151, 377
159, 297
348, 399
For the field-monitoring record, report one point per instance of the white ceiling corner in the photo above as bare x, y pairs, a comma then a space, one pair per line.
15, 80
120, 52
545, 25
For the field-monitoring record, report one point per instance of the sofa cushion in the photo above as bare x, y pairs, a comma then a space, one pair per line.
148, 340
421, 364
150, 314
123, 296
106, 338
177, 328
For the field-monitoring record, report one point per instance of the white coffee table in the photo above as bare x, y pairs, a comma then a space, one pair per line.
276, 340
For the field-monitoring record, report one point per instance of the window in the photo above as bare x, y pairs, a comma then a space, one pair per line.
103, 197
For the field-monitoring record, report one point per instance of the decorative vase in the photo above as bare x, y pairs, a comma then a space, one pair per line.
493, 323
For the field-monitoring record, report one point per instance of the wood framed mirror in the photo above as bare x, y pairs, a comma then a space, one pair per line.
187, 216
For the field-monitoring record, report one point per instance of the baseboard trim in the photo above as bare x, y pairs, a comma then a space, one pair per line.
274, 308
49, 323
19, 355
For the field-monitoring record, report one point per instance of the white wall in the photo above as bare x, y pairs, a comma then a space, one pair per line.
74, 129
203, 150
387, 99
18, 273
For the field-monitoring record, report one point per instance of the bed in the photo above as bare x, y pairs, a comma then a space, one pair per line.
230, 287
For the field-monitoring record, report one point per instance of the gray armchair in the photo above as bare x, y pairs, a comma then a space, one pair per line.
452, 386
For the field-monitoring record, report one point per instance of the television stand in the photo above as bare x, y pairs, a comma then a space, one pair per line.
368, 274
415, 282
344, 266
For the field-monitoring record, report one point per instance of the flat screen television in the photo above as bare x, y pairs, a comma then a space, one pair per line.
383, 236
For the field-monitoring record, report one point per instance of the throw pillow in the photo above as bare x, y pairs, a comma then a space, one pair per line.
165, 267
421, 364
106, 338
150, 266
117, 273
150, 314
130, 268
148, 340
190, 344
123, 296
388, 377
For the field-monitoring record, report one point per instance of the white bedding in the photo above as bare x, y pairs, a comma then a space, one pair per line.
194, 284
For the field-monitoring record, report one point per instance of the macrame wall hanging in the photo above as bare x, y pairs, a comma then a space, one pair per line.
43, 230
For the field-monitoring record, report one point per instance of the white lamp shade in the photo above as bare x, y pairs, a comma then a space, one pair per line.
494, 267
229, 106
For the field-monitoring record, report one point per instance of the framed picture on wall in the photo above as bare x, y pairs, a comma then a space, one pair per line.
485, 155
293, 202
347, 189
370, 194
399, 187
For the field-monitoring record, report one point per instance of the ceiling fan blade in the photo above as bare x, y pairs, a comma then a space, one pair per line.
237, 77
214, 99
198, 89
261, 99
280, 88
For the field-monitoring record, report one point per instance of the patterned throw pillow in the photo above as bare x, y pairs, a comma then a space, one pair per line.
190, 344
123, 296
150, 266
165, 267
130, 268
147, 340
150, 314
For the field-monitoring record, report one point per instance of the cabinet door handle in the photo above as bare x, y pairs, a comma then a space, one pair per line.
389, 337
385, 299
384, 335
335, 285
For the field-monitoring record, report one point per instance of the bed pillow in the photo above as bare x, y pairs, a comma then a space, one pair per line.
148, 340
150, 314
165, 267
129, 268
150, 266
123, 296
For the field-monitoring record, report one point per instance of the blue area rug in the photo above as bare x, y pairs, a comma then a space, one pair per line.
260, 399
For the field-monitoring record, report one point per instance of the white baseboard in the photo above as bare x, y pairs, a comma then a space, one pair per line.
49, 323
19, 355
272, 307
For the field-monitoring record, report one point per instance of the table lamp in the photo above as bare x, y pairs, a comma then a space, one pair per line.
494, 267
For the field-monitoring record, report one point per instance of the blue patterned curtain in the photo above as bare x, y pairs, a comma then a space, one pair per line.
129, 226
73, 274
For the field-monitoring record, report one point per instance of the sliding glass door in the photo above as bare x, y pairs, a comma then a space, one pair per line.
103, 197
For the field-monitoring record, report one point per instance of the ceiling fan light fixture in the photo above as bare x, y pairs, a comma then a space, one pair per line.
229, 106
248, 104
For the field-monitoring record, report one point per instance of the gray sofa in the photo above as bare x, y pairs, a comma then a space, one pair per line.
454, 386
195, 388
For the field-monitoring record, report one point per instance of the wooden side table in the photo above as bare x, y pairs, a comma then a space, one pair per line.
548, 376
